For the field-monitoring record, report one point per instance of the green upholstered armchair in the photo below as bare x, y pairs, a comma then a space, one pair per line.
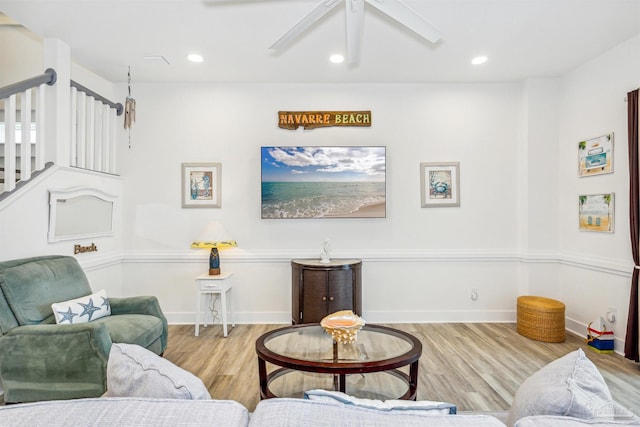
42, 360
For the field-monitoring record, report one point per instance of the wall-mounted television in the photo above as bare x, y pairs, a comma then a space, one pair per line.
324, 182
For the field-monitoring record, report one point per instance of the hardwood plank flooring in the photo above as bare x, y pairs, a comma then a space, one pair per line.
477, 366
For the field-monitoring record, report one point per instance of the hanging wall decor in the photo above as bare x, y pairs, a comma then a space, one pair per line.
440, 184
323, 182
317, 119
595, 156
129, 108
201, 186
596, 212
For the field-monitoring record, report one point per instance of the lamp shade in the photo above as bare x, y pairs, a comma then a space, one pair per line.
223, 244
214, 237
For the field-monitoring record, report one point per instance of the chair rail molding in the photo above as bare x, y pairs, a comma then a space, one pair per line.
241, 255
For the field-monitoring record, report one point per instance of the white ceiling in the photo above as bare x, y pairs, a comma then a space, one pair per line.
522, 38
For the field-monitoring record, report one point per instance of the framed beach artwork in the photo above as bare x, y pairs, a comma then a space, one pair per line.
440, 184
323, 182
596, 212
595, 156
201, 186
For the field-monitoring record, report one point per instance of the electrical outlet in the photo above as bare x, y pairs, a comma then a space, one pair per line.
474, 294
612, 314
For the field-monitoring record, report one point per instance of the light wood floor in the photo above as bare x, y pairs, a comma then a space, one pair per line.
477, 366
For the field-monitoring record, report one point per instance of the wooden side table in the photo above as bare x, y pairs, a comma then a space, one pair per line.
219, 285
318, 289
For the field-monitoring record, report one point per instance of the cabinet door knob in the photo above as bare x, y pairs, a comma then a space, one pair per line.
324, 298
330, 298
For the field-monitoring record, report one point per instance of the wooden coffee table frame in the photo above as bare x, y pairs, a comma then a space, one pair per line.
339, 369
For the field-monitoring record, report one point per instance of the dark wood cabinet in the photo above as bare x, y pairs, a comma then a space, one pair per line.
319, 288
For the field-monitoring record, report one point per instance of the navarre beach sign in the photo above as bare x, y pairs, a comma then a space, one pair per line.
317, 119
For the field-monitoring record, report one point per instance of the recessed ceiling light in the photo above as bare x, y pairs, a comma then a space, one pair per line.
194, 57
336, 58
479, 60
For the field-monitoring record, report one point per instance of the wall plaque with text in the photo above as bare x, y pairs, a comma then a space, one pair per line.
316, 119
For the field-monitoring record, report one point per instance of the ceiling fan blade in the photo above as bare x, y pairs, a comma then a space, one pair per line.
407, 17
355, 19
322, 9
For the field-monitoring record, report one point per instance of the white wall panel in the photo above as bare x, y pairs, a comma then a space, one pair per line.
592, 104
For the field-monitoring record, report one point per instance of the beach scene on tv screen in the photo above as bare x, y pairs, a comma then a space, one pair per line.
323, 182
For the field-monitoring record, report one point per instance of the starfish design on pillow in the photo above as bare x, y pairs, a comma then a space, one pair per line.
105, 303
67, 315
89, 309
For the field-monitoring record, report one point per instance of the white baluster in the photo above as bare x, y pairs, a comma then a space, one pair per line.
73, 152
106, 139
82, 130
97, 135
10, 143
91, 118
113, 119
40, 117
25, 135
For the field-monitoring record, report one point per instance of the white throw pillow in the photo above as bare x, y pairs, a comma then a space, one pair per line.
569, 386
82, 310
422, 407
134, 371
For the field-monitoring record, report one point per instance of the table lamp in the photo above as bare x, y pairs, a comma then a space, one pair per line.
215, 244
214, 256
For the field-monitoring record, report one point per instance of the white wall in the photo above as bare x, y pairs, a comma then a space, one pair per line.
21, 55
404, 275
24, 223
592, 104
187, 123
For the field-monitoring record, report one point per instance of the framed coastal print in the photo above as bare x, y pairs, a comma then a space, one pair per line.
596, 212
440, 184
201, 186
323, 182
595, 156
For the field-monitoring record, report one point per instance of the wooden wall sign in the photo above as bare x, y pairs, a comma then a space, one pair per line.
79, 249
317, 119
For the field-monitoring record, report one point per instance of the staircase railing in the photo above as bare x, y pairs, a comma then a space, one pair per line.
26, 100
93, 130
92, 143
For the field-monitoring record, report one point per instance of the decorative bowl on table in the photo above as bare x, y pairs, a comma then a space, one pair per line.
343, 326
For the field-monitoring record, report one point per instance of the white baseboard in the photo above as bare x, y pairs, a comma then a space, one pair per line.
444, 316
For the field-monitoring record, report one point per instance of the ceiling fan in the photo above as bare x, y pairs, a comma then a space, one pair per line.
395, 9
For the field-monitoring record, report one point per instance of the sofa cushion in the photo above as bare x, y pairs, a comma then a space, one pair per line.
133, 371
30, 287
140, 329
569, 386
107, 412
424, 407
283, 412
83, 309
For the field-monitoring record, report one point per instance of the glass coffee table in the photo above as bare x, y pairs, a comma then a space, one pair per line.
374, 366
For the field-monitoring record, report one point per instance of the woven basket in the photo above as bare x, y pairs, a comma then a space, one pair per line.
541, 319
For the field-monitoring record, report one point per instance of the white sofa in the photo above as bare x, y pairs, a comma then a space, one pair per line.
146, 390
137, 411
